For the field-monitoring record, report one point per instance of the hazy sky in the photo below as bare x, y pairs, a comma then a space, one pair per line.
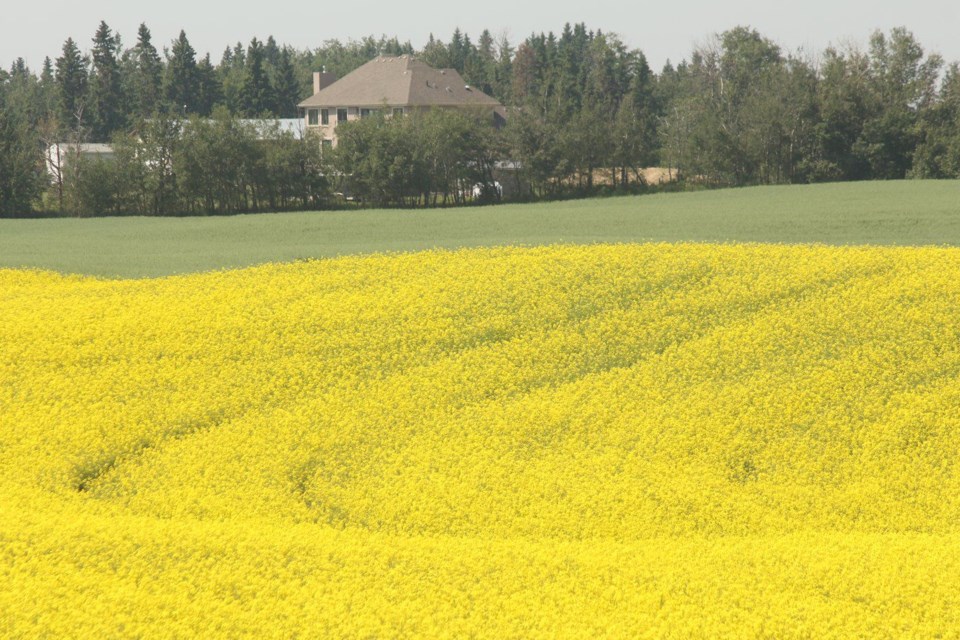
661, 29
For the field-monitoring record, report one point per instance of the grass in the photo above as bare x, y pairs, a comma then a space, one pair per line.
883, 213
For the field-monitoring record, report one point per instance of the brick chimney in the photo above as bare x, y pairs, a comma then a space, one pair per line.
322, 80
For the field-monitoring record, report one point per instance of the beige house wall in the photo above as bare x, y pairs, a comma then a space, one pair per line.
329, 131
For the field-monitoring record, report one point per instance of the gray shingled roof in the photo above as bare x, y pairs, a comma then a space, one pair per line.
400, 82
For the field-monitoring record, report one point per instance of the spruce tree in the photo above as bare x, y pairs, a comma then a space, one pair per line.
20, 161
231, 73
485, 72
209, 89
271, 52
107, 113
182, 83
256, 93
48, 89
71, 78
458, 50
146, 82
502, 88
286, 87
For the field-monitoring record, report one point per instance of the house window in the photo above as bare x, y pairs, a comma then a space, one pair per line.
324, 116
366, 113
397, 111
312, 117
341, 115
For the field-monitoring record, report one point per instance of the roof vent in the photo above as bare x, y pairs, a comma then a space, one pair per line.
449, 90
443, 72
467, 87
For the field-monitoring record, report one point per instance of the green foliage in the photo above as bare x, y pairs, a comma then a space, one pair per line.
938, 153
256, 92
106, 98
209, 88
588, 106
286, 89
144, 75
181, 80
20, 160
149, 184
71, 78
423, 158
742, 113
92, 187
295, 172
215, 164
218, 165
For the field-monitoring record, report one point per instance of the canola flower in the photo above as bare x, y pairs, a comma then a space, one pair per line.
662, 441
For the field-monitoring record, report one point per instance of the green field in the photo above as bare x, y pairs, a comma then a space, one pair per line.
900, 213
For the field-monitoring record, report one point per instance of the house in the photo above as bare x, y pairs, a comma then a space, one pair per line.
394, 85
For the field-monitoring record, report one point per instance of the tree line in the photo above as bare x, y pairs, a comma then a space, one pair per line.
215, 165
586, 112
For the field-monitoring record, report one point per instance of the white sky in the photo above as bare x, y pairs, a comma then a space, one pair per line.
661, 29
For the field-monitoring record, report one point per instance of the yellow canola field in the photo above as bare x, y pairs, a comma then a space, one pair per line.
663, 441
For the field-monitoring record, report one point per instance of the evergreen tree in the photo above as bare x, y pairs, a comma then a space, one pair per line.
570, 59
182, 82
20, 161
48, 90
271, 52
24, 97
239, 54
19, 68
286, 87
107, 109
484, 74
146, 76
459, 50
503, 74
209, 89
256, 96
232, 72
71, 78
